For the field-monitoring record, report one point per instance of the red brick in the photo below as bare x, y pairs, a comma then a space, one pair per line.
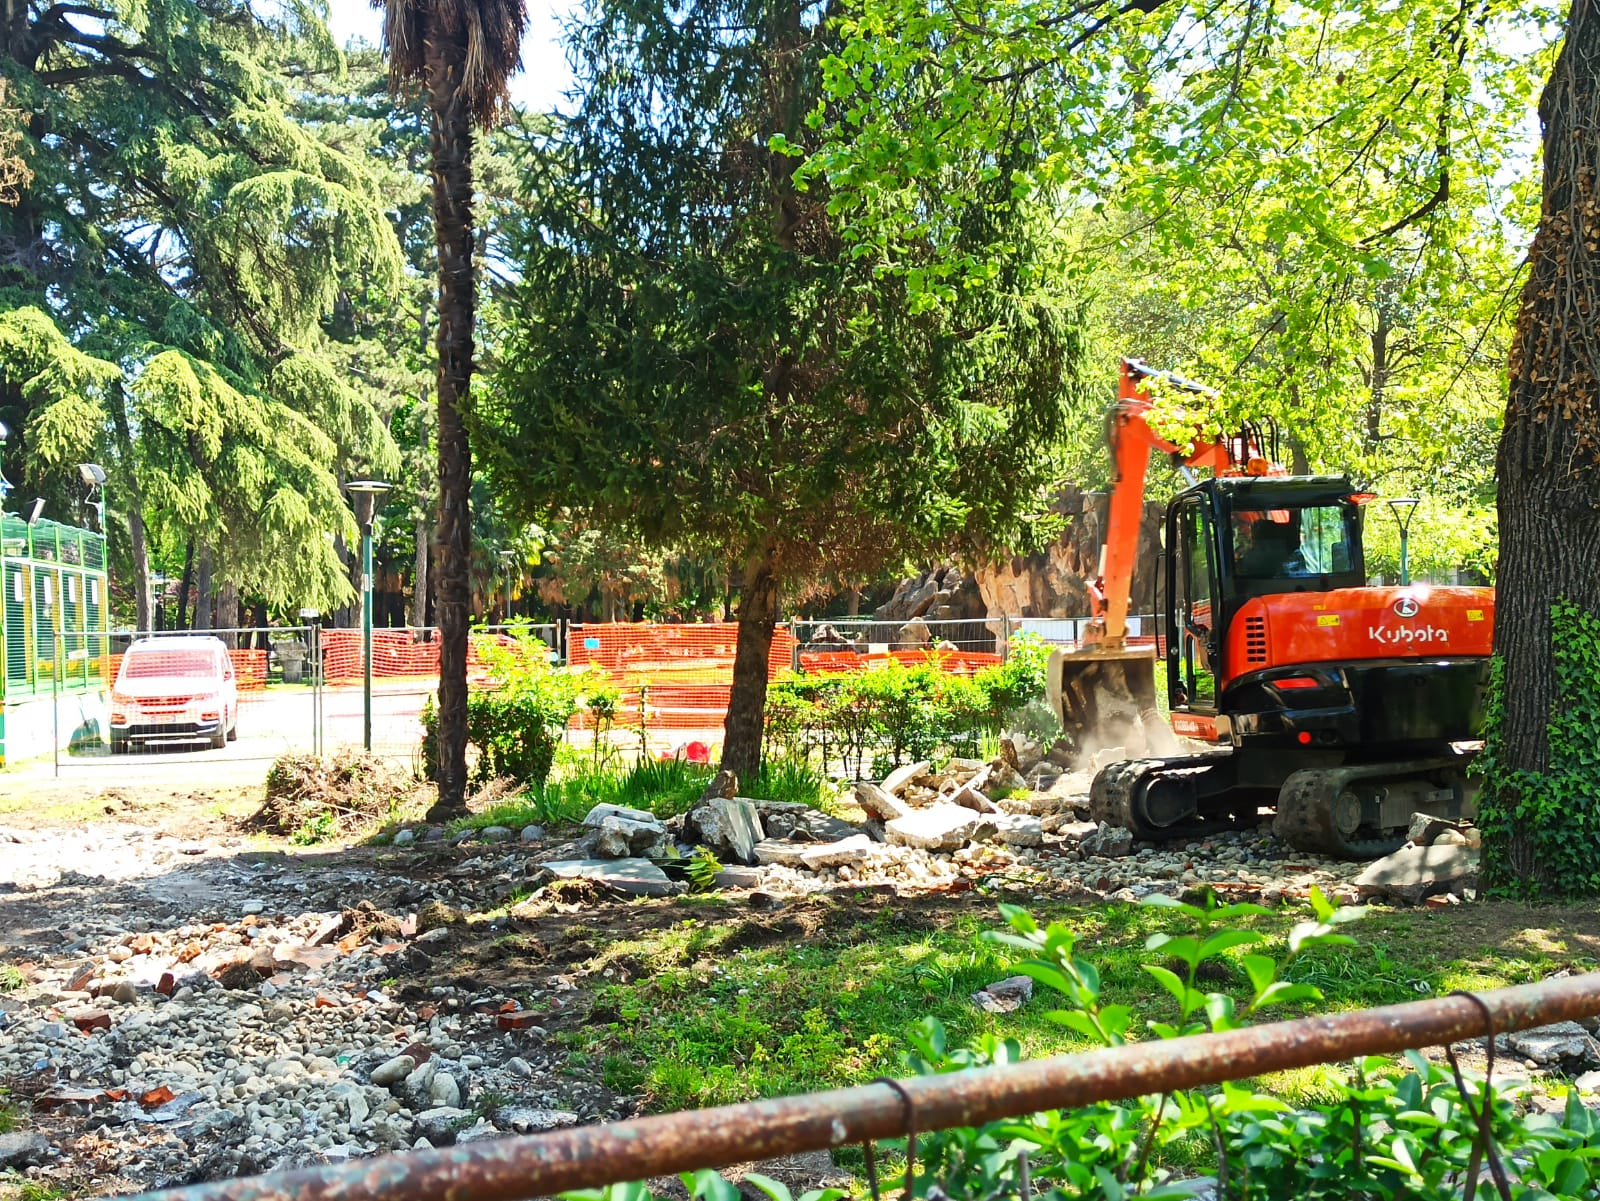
520, 1020
92, 1019
167, 985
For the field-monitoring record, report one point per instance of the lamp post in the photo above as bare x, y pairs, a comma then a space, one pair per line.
366, 494
506, 558
4, 486
1404, 509
94, 479
158, 582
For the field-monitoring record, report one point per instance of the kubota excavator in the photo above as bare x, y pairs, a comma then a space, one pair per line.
1344, 706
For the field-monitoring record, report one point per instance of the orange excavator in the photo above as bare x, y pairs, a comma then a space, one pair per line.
1344, 706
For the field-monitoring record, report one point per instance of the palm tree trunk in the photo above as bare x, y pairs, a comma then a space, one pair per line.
451, 151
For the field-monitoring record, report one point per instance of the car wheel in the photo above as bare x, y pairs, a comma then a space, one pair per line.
220, 738
233, 729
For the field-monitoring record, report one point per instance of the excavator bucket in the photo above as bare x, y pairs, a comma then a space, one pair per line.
1107, 698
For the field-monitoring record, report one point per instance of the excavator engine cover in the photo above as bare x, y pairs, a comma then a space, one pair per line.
1107, 698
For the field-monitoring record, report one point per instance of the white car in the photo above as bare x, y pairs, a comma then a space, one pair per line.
174, 688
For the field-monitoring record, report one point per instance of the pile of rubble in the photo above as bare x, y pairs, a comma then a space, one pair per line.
1025, 814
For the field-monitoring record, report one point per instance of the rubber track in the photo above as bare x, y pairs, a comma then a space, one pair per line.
1111, 796
1304, 816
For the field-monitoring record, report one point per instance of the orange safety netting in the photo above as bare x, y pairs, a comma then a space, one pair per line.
397, 654
832, 663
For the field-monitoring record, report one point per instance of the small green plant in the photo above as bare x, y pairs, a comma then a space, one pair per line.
322, 826
10, 978
706, 1185
702, 870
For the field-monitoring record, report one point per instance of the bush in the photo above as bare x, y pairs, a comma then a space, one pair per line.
893, 713
516, 722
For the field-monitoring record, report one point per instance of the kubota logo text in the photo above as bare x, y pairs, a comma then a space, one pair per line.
1408, 635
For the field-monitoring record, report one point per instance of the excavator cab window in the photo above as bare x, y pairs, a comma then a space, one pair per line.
1193, 643
1291, 544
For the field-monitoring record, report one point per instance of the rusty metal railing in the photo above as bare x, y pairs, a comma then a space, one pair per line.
515, 1169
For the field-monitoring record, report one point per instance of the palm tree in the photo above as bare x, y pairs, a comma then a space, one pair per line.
462, 54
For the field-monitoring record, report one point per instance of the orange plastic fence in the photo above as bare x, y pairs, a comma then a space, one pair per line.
828, 663
402, 654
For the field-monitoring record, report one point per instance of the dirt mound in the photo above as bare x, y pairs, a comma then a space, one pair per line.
351, 791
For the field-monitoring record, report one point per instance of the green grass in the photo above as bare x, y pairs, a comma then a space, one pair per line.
665, 788
726, 1006
10, 1115
10, 977
15, 1187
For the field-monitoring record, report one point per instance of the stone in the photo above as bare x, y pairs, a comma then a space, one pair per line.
969, 797
1589, 1082
1110, 842
1425, 827
532, 834
737, 877
729, 827
901, 776
819, 827
445, 1091
1412, 873
518, 1019
599, 813
1004, 996
1069, 826
937, 828
439, 1125
1565, 1045
1474, 837
124, 993
519, 1066
847, 851
477, 1132
418, 1086
880, 803
22, 1148
632, 877
404, 838
89, 1020
1449, 838
1019, 830
496, 833
528, 1119
392, 1071
620, 837
1026, 754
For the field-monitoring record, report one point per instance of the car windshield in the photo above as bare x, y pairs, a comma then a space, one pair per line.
1272, 543
156, 665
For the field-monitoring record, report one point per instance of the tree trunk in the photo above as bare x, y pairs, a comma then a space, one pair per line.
1378, 382
1548, 465
419, 597
182, 621
202, 591
747, 701
450, 146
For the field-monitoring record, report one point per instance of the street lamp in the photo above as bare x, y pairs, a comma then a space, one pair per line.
94, 478
4, 486
1404, 509
506, 558
158, 582
365, 494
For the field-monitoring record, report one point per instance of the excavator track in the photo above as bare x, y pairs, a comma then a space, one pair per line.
1356, 812
1345, 811
1120, 796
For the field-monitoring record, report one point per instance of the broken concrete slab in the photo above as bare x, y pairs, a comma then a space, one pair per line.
1425, 827
1565, 1045
619, 837
1004, 996
1110, 842
847, 851
600, 812
938, 828
1412, 873
729, 827
1069, 826
969, 797
880, 804
781, 852
1018, 830
633, 877
901, 776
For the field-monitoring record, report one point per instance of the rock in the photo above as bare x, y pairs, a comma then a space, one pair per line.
880, 803
1019, 830
622, 837
724, 784
436, 915
1412, 873
527, 1119
819, 827
969, 797
1425, 827
937, 828
1004, 996
1449, 838
532, 834
1069, 826
1004, 778
495, 833
1110, 842
392, 1071
729, 827
847, 851
124, 992
1566, 1045
439, 1125
519, 1066
913, 636
900, 777
445, 1091
404, 838
22, 1148
1589, 1082
418, 1086
599, 813
1025, 752
1474, 837
737, 877
632, 877
90, 1020
480, 1130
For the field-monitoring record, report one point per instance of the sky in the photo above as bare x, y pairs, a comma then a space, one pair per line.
545, 75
